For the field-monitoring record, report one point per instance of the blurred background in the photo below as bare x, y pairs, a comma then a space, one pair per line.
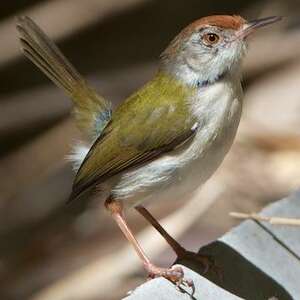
49, 251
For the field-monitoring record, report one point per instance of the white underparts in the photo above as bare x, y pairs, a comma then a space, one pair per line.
77, 155
217, 108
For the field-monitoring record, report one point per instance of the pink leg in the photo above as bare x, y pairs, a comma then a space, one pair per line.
174, 274
178, 249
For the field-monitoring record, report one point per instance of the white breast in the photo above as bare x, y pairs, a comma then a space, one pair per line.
217, 108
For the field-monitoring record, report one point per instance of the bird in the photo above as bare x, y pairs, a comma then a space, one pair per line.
168, 137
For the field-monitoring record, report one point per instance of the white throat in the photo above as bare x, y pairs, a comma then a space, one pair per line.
201, 77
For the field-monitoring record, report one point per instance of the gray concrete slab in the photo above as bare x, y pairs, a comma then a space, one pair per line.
255, 260
162, 289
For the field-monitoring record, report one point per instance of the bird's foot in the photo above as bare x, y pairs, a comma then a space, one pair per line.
206, 261
175, 274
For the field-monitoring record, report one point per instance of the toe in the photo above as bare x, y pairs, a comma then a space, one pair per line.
174, 274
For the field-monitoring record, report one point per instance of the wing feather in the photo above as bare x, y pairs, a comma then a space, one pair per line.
150, 123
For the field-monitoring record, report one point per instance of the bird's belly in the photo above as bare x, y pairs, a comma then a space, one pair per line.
176, 175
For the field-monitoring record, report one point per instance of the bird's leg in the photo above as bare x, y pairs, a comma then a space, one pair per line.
181, 252
174, 274
178, 249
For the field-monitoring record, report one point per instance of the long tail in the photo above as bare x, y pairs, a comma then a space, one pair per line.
92, 111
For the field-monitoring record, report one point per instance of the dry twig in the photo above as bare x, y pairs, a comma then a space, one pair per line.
271, 220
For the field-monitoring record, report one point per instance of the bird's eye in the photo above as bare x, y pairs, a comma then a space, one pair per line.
210, 39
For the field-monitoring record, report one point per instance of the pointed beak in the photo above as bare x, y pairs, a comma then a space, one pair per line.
251, 26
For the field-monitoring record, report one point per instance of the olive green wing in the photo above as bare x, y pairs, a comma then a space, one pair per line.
92, 112
150, 123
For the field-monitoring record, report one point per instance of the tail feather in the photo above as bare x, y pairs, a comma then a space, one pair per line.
92, 111
46, 55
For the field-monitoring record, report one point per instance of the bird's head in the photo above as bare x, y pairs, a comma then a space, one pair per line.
210, 47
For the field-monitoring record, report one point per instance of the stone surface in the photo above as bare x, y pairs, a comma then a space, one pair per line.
289, 207
255, 260
162, 289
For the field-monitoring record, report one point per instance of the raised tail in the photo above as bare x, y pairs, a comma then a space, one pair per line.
92, 112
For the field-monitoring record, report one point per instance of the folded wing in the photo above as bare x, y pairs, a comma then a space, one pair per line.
152, 122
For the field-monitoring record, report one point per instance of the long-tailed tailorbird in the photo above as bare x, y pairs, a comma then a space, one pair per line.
168, 137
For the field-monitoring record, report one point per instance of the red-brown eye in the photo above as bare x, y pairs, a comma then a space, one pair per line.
210, 39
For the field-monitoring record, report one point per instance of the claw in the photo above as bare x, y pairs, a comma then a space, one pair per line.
190, 284
206, 261
174, 274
